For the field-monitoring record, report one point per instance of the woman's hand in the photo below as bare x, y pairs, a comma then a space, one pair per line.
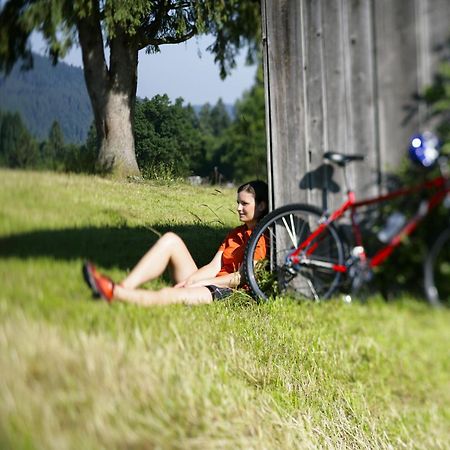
189, 282
204, 273
233, 280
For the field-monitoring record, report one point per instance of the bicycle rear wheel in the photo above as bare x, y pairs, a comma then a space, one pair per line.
314, 275
437, 271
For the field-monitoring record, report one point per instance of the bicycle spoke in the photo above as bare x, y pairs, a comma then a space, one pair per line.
316, 297
290, 232
293, 229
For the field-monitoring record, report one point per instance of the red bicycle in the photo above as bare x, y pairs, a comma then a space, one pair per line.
312, 253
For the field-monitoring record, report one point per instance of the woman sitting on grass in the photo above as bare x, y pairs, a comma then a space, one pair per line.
214, 281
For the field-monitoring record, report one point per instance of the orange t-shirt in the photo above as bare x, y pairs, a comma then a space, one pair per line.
233, 248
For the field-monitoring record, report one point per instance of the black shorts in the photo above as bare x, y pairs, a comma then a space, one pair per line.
219, 293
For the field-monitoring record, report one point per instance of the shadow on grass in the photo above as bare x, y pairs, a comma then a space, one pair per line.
118, 247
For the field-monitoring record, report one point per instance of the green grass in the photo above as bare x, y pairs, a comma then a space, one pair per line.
75, 373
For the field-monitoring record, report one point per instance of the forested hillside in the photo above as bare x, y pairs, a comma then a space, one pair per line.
46, 94
45, 124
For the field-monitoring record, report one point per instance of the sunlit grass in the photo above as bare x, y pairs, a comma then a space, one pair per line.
75, 373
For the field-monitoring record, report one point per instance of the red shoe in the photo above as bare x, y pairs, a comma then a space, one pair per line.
101, 286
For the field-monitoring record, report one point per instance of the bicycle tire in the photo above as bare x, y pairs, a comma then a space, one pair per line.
283, 229
437, 271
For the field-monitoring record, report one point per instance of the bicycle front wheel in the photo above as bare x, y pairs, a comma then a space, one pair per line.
312, 274
437, 271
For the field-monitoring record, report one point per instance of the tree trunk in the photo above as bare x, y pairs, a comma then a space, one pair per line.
117, 153
113, 94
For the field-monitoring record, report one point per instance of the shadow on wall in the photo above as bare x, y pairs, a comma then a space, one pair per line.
322, 179
109, 247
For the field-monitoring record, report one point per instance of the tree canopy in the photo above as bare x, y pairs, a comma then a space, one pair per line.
438, 97
243, 149
167, 137
17, 147
126, 27
149, 23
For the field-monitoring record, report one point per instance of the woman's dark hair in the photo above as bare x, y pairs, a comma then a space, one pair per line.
259, 190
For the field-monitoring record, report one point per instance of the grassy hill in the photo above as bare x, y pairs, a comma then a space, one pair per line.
48, 93
76, 373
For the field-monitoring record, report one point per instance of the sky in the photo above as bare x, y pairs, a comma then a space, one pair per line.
184, 70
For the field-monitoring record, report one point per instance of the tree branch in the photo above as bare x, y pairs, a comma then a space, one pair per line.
14, 37
150, 30
172, 39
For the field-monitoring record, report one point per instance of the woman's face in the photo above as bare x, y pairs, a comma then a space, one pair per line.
247, 208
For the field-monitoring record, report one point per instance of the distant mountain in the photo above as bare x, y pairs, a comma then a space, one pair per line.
47, 93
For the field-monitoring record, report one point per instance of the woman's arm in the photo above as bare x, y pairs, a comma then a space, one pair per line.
232, 280
206, 272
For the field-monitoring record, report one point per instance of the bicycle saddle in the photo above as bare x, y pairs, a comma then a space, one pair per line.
340, 159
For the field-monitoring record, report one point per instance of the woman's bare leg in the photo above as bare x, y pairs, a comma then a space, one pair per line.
169, 250
165, 296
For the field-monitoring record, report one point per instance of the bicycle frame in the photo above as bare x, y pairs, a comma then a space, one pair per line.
307, 247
